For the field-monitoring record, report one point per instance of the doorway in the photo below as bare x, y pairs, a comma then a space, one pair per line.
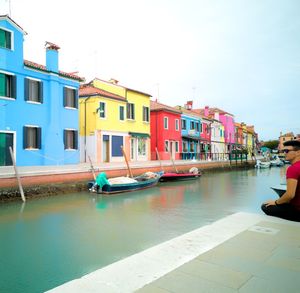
105, 148
6, 141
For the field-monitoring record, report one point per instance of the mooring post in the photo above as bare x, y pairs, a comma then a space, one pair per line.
17, 174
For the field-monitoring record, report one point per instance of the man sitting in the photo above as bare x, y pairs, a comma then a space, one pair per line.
288, 205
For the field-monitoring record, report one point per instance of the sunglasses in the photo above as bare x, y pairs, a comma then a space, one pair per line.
286, 151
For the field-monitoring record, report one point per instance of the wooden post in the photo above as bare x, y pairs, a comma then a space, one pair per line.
125, 157
159, 159
92, 168
172, 161
17, 174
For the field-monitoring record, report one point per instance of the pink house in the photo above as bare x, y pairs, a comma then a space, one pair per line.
226, 119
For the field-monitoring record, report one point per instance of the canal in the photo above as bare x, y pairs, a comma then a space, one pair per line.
49, 241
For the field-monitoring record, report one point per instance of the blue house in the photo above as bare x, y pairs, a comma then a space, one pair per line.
38, 104
190, 132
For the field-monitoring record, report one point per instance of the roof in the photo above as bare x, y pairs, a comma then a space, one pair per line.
43, 68
191, 113
12, 23
155, 106
115, 82
211, 111
88, 90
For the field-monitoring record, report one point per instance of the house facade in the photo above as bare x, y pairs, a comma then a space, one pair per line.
165, 132
38, 104
122, 121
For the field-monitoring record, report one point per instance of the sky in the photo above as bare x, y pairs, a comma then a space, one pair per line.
242, 56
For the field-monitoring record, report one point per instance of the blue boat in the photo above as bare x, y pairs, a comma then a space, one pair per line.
140, 182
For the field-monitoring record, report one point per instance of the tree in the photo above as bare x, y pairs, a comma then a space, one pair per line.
271, 144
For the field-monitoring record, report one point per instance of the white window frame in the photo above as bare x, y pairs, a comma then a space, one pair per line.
120, 106
74, 131
167, 145
177, 124
5, 97
166, 122
12, 39
34, 79
177, 146
29, 148
72, 88
104, 103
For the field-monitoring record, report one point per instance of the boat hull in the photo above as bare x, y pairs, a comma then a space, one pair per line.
178, 176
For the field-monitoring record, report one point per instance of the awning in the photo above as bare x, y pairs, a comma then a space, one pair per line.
191, 137
139, 134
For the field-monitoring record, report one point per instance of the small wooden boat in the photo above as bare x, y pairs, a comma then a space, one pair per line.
170, 176
124, 184
280, 190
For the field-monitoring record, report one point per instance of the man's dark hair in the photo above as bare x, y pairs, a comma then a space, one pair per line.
293, 143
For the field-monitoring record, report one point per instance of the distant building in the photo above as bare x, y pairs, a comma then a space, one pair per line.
38, 104
165, 131
286, 137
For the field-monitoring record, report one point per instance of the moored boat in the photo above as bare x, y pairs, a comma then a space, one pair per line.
194, 173
124, 184
262, 165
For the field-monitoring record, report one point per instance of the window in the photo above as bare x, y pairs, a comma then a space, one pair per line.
176, 124
176, 146
70, 139
70, 98
192, 147
201, 128
121, 113
130, 111
192, 125
101, 110
33, 90
5, 39
141, 146
145, 114
8, 85
166, 123
32, 136
166, 145
183, 124
197, 126
184, 147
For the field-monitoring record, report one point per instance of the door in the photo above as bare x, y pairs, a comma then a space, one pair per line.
6, 141
172, 149
105, 148
132, 149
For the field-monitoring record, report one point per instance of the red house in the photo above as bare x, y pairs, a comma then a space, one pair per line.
165, 129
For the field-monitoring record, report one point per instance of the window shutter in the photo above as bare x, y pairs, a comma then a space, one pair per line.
13, 86
41, 91
26, 89
76, 140
65, 96
24, 137
8, 40
39, 137
65, 139
127, 110
76, 99
133, 114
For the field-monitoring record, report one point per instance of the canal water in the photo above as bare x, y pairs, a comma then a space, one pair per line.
49, 241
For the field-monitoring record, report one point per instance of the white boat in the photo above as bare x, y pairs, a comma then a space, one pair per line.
262, 165
277, 162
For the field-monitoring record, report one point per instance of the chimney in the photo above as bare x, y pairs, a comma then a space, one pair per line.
189, 105
217, 116
206, 111
52, 57
113, 81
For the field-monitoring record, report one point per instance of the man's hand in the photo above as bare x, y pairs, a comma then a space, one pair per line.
270, 203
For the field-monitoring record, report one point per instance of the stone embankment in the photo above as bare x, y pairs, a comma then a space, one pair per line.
41, 181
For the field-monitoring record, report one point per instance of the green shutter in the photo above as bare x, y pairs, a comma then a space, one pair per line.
2, 38
13, 86
26, 89
41, 92
8, 40
2, 85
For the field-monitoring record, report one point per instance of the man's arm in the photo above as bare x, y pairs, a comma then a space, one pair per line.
291, 186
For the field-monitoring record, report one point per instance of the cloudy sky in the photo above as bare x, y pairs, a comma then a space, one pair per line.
239, 55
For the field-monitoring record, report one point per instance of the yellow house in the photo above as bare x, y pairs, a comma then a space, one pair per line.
111, 117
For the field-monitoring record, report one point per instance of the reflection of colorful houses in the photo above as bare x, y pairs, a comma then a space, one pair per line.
38, 104
165, 131
227, 120
122, 119
190, 132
